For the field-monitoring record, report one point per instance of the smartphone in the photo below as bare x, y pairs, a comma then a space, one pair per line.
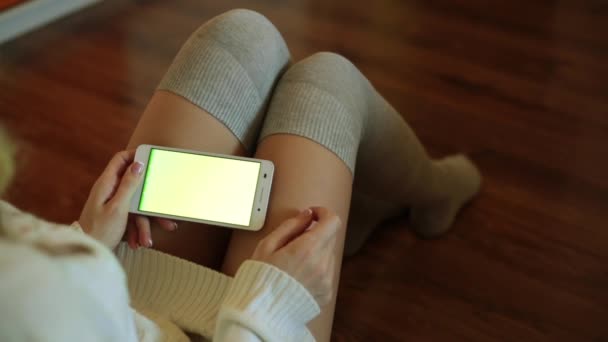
203, 187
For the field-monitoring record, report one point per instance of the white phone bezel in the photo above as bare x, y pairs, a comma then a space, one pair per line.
262, 193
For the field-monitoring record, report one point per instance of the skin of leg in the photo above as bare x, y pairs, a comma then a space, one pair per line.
170, 120
306, 174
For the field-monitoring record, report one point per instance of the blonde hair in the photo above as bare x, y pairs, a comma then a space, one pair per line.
7, 162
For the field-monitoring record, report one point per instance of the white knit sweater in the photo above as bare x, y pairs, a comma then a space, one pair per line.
58, 284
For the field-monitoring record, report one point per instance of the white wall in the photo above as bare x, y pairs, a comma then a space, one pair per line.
35, 13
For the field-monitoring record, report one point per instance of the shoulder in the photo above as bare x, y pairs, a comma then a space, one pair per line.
17, 224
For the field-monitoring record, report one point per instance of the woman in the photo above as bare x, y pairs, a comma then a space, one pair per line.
231, 89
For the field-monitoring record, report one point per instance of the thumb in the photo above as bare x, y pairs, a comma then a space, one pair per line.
287, 231
129, 182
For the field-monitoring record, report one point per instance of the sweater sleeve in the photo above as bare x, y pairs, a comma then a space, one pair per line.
265, 302
187, 294
59, 284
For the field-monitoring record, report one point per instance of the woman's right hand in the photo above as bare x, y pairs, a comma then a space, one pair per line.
304, 247
139, 232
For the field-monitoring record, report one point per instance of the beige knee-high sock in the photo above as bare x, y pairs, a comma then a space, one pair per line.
393, 165
366, 213
229, 67
325, 98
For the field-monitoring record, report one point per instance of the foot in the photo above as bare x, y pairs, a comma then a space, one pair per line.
463, 182
366, 214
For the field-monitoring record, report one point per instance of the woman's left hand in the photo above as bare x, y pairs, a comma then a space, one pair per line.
106, 211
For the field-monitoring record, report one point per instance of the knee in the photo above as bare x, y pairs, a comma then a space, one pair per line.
323, 98
330, 60
321, 65
245, 34
247, 38
238, 21
327, 70
334, 75
242, 16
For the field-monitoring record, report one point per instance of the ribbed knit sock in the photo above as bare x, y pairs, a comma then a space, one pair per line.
366, 214
229, 67
325, 98
431, 220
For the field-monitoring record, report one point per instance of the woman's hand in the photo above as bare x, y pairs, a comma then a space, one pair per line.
105, 213
139, 232
304, 247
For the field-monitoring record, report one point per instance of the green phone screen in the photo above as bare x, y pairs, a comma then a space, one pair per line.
197, 186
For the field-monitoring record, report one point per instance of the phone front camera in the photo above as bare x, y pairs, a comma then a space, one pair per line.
258, 209
264, 175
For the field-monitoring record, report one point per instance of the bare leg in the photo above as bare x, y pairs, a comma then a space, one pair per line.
325, 117
213, 99
231, 80
187, 127
306, 174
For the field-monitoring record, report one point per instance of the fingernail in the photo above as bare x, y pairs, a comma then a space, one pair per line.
306, 212
149, 243
174, 225
137, 168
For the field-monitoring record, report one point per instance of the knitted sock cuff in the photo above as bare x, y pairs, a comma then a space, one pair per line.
302, 109
209, 77
228, 67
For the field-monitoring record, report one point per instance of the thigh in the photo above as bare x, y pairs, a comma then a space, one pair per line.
306, 174
171, 120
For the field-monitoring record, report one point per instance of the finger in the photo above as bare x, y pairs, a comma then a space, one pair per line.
143, 231
324, 231
325, 257
107, 183
119, 163
332, 274
166, 224
287, 231
329, 225
128, 184
132, 237
322, 214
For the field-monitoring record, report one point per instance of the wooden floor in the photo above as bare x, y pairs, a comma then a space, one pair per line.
522, 86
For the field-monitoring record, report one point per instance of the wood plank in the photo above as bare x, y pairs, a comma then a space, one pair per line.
519, 85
